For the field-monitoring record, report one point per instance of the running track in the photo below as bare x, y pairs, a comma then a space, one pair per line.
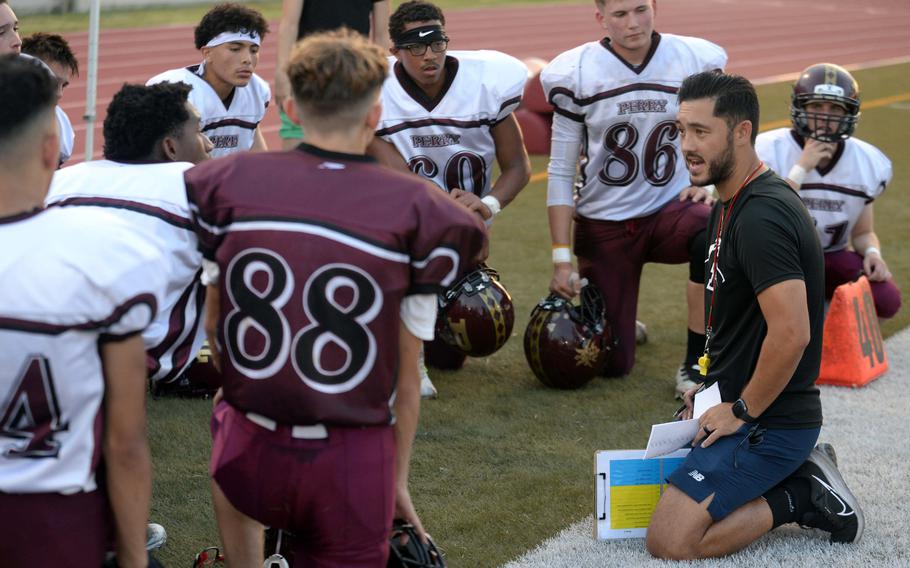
765, 39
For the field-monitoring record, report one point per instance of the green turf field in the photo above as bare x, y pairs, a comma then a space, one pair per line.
500, 462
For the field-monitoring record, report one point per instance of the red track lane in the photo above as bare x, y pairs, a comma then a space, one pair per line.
763, 38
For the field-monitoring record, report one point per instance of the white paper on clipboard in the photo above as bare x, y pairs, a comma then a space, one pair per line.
671, 436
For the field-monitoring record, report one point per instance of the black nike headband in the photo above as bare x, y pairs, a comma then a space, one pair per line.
423, 34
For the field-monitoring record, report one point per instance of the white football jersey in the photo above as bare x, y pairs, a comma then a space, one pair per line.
151, 198
448, 141
67, 136
836, 196
69, 279
632, 164
230, 129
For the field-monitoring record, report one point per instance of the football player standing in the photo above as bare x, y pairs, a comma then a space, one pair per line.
299, 19
323, 269
449, 115
615, 103
72, 363
151, 136
231, 98
838, 177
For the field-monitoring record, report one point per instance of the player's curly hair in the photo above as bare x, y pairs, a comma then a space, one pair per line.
335, 76
414, 11
140, 116
27, 90
229, 18
50, 48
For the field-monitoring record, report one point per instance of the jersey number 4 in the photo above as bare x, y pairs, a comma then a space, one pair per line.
258, 318
658, 161
31, 413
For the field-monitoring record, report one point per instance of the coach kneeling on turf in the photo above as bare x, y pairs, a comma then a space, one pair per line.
753, 466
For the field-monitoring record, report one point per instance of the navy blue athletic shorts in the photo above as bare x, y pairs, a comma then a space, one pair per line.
742, 466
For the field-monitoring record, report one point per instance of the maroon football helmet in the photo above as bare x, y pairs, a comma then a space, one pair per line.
407, 551
476, 314
200, 380
567, 345
825, 82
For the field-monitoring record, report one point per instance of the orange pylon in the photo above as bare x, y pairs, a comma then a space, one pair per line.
853, 352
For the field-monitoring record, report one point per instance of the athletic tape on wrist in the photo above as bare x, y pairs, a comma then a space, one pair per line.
797, 174
872, 250
492, 204
562, 254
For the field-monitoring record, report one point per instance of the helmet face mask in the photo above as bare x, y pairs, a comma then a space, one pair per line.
566, 345
476, 315
825, 82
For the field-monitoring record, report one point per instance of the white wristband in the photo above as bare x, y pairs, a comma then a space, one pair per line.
797, 174
873, 250
210, 273
561, 254
492, 204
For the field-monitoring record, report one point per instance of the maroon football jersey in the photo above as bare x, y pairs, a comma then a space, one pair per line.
316, 251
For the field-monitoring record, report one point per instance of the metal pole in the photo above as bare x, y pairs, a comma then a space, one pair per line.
91, 87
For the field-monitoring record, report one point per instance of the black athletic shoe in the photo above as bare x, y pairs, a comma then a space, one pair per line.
835, 509
828, 450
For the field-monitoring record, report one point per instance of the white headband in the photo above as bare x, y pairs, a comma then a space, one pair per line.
227, 37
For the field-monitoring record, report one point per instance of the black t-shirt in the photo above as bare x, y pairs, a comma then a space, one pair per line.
322, 15
769, 238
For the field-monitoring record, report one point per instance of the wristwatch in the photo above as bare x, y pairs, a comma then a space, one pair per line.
741, 411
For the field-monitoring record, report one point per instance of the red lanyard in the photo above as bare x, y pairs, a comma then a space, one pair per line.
726, 213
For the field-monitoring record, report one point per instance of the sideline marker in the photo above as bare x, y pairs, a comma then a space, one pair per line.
853, 353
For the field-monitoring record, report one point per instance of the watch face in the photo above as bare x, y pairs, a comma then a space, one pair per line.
739, 408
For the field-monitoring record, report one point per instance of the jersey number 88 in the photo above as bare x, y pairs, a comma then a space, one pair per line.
260, 310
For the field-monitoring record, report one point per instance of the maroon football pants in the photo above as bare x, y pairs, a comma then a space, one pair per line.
337, 495
50, 529
846, 266
611, 255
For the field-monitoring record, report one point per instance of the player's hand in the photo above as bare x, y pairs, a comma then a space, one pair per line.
875, 268
282, 88
404, 509
697, 195
814, 151
484, 253
718, 420
565, 280
472, 202
689, 401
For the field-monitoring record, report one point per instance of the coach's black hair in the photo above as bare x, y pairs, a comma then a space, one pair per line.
229, 18
139, 117
27, 89
50, 48
734, 97
415, 11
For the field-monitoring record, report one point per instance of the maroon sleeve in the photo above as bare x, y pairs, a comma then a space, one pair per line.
447, 241
209, 213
